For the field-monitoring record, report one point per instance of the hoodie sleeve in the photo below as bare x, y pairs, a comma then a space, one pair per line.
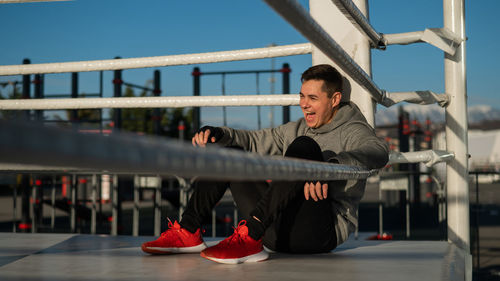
362, 147
263, 142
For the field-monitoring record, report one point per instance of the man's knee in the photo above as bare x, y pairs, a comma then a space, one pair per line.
305, 148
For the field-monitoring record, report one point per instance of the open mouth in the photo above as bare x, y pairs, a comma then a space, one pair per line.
310, 116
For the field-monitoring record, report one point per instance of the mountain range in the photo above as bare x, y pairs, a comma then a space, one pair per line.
477, 113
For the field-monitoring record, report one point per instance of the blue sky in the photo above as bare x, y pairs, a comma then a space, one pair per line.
102, 29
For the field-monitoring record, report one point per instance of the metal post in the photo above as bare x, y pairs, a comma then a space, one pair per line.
456, 129
74, 185
478, 254
157, 216
272, 80
100, 95
156, 111
257, 86
93, 219
135, 214
74, 94
457, 170
117, 112
285, 70
53, 204
380, 213
408, 213
14, 211
114, 206
38, 95
353, 42
181, 128
25, 179
224, 114
26, 89
33, 208
196, 92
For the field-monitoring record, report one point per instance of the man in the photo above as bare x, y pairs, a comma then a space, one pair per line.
294, 217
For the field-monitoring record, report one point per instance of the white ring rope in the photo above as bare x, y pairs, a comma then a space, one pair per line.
148, 102
38, 145
115, 64
419, 97
428, 157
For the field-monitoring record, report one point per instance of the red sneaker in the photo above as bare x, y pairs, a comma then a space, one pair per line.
175, 240
237, 248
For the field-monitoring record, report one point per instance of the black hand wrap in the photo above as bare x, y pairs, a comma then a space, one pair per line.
215, 132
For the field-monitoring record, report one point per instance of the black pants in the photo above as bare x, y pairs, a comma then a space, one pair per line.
292, 224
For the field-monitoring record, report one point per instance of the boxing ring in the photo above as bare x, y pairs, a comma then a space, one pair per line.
96, 257
81, 257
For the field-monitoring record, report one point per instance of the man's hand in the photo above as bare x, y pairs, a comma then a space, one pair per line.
206, 135
316, 191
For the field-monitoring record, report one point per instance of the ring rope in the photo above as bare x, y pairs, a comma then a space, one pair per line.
419, 97
116, 64
37, 145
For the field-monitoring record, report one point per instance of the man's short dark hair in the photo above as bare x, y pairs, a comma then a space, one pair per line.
327, 73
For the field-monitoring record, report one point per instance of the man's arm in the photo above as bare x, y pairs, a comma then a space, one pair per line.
362, 147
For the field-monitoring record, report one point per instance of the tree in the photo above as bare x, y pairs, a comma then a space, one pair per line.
11, 114
141, 120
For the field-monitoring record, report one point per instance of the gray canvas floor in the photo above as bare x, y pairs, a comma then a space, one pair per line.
95, 257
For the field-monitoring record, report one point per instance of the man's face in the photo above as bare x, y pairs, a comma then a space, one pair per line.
317, 107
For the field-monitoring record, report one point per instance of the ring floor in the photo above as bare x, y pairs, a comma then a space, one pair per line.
101, 257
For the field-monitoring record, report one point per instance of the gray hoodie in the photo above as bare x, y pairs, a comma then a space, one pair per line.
348, 139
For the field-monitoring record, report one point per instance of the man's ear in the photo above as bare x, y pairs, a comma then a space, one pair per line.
337, 96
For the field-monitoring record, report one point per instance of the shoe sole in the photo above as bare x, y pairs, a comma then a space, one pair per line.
165, 251
261, 256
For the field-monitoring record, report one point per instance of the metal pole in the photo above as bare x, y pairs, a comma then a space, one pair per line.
196, 92
259, 125
380, 213
456, 129
25, 179
93, 219
14, 211
135, 214
224, 114
38, 95
457, 170
478, 254
156, 111
74, 185
33, 208
272, 81
407, 213
117, 81
285, 70
157, 209
74, 94
53, 204
114, 206
26, 89
100, 95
